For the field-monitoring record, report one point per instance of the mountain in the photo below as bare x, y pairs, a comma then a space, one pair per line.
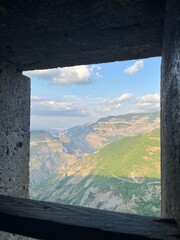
54, 151
110, 164
92, 137
47, 156
132, 157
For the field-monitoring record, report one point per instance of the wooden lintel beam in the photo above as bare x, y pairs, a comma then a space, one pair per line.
44, 220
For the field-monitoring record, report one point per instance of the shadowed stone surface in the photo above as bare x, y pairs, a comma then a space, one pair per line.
48, 34
14, 134
170, 113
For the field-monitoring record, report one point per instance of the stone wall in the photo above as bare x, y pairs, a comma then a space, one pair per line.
170, 113
14, 133
52, 33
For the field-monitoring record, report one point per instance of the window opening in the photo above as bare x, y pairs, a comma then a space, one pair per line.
95, 138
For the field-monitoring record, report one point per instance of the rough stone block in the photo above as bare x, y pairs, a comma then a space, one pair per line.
14, 135
14, 99
14, 164
170, 113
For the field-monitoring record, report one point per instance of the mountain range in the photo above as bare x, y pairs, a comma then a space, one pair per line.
111, 164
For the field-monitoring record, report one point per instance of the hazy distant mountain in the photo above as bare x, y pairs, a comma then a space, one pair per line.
100, 165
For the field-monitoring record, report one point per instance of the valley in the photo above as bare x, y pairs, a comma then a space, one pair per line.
113, 164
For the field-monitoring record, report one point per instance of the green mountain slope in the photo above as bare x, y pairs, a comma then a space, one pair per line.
132, 157
122, 176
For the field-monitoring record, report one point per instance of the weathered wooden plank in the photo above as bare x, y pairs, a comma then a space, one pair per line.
46, 220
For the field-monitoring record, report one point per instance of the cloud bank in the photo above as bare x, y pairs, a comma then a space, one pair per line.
74, 110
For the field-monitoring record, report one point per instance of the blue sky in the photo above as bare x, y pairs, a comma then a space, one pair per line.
65, 97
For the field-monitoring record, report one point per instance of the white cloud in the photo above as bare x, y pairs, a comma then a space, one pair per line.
48, 107
153, 98
117, 106
119, 99
134, 67
124, 97
150, 102
68, 75
72, 75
